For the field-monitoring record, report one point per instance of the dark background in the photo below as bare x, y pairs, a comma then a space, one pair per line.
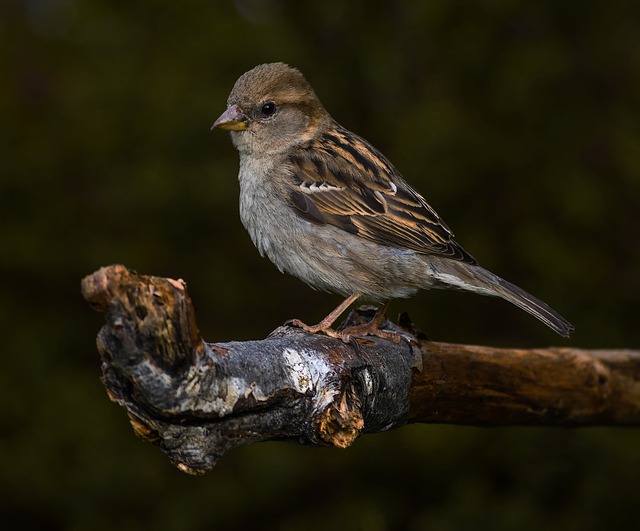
521, 126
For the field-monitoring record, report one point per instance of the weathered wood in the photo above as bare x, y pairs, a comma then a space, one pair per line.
486, 386
198, 400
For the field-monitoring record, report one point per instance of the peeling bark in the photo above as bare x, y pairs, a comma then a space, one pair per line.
198, 400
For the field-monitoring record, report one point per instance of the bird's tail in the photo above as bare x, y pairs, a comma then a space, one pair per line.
480, 280
527, 302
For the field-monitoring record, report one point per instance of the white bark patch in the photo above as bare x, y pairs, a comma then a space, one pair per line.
306, 371
309, 375
368, 382
221, 397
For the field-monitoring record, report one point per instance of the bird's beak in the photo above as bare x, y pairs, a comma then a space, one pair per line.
233, 119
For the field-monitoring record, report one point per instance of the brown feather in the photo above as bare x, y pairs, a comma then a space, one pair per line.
341, 180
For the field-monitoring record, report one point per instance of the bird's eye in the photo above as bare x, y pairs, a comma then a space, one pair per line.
268, 108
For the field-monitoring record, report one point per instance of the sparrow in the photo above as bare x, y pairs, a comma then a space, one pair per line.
326, 206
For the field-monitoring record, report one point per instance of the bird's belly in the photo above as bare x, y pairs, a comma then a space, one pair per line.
328, 258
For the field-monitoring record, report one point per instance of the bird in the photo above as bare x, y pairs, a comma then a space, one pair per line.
326, 206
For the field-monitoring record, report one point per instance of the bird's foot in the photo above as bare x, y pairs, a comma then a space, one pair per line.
371, 329
372, 326
342, 335
353, 332
320, 328
369, 321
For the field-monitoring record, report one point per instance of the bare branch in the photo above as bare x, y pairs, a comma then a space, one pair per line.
487, 386
197, 400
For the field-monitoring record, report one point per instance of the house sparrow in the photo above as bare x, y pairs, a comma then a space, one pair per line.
327, 207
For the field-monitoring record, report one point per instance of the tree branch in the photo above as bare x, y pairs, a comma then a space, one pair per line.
197, 400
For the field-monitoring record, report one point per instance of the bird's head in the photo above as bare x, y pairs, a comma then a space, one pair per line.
270, 109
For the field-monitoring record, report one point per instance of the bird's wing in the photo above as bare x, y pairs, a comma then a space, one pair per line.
341, 180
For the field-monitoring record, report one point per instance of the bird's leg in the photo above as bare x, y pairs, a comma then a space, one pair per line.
324, 326
349, 334
372, 328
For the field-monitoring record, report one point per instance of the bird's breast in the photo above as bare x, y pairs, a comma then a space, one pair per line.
261, 208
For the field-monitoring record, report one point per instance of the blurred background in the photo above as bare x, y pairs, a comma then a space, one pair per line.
520, 123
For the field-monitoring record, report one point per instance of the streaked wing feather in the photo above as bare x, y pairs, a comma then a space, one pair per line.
341, 180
